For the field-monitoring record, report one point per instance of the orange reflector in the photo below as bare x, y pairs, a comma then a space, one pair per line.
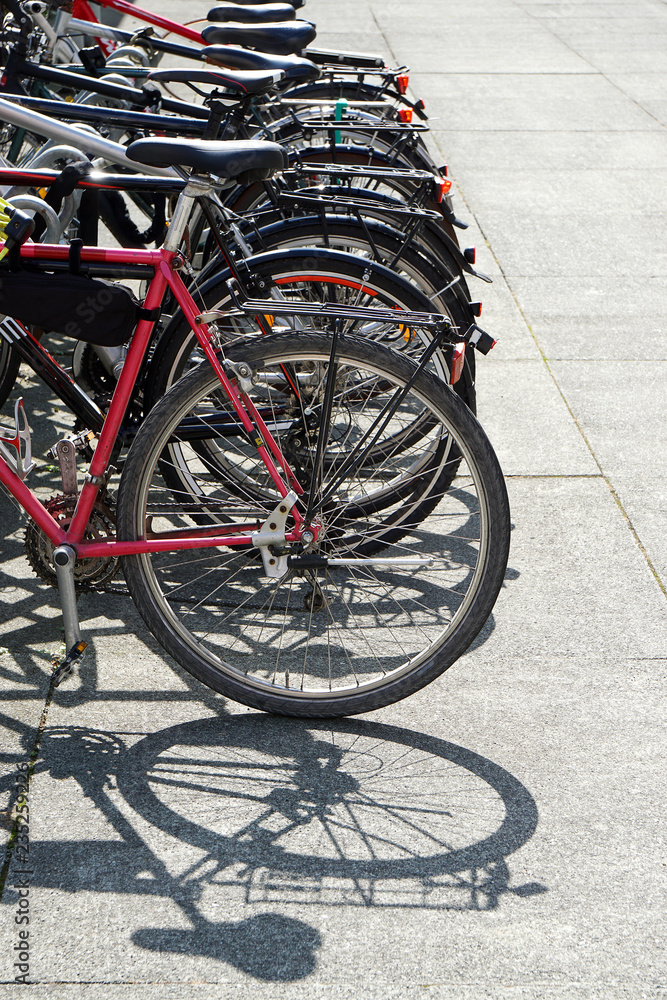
458, 360
405, 115
442, 187
402, 81
408, 334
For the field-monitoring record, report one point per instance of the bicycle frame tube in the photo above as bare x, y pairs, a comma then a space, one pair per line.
19, 67
95, 144
267, 448
83, 10
77, 26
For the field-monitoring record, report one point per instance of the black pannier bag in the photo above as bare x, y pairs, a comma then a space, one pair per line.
90, 309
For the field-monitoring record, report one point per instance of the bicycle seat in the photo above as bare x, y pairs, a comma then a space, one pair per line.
295, 68
250, 3
252, 14
280, 39
245, 160
253, 82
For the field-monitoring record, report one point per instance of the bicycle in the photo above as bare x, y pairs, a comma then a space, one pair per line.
310, 523
325, 274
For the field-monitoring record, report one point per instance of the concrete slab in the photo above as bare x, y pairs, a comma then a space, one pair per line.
619, 406
646, 89
644, 501
569, 10
595, 317
507, 45
499, 834
346, 991
507, 151
606, 195
539, 245
527, 421
578, 584
499, 102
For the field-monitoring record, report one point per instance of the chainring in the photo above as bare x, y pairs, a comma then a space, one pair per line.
89, 574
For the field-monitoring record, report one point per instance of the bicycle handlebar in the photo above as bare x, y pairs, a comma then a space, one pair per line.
91, 144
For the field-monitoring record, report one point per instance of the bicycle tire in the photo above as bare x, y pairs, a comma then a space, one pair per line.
316, 274
377, 241
421, 621
251, 199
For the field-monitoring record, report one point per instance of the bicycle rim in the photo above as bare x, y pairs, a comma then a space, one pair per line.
331, 641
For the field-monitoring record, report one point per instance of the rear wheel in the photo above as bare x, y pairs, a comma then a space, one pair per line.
319, 275
324, 639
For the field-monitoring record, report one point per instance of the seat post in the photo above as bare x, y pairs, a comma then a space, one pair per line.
196, 187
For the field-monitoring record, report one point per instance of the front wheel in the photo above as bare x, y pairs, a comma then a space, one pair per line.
338, 638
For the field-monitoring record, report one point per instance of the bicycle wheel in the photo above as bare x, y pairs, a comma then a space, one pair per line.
311, 275
252, 199
339, 639
438, 278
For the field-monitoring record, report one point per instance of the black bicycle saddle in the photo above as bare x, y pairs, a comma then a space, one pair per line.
251, 3
241, 82
246, 160
252, 14
295, 68
280, 39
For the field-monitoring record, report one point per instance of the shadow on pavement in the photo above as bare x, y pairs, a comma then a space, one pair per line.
276, 814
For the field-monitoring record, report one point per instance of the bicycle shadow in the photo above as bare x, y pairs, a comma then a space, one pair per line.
275, 813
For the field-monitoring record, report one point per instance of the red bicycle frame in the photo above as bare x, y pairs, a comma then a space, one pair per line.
165, 276
84, 11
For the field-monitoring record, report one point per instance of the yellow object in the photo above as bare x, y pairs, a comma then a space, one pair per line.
5, 208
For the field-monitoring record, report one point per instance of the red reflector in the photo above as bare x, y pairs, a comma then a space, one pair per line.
442, 187
458, 359
402, 81
405, 115
476, 308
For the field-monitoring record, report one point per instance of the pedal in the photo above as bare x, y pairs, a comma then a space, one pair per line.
21, 462
64, 453
66, 666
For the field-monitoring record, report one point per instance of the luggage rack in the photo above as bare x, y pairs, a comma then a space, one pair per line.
443, 329
343, 126
357, 170
345, 202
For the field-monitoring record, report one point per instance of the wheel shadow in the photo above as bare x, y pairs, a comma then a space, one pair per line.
277, 815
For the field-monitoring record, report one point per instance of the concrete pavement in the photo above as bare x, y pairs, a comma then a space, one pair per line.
501, 833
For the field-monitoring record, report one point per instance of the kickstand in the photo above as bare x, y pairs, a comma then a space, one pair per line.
64, 558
